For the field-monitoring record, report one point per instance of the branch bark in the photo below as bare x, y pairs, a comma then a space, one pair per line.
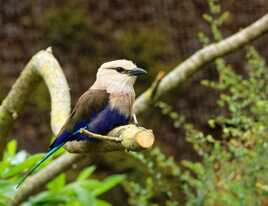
171, 80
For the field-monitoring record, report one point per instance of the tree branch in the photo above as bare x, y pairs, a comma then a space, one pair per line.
129, 137
173, 79
42, 66
180, 73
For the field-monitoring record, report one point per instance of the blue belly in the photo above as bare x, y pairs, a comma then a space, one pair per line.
101, 123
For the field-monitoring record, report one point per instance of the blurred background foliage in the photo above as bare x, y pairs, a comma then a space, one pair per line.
212, 149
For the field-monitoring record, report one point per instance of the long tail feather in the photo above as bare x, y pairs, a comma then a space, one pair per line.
49, 153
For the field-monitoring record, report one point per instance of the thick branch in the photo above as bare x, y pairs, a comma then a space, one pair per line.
42, 66
129, 137
180, 73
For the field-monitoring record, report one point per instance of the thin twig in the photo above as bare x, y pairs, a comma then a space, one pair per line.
91, 135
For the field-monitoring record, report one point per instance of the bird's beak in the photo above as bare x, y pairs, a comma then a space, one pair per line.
137, 72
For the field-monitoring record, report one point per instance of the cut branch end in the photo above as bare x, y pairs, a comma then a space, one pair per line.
145, 139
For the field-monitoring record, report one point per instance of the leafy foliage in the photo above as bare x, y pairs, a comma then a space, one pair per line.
82, 191
232, 170
157, 186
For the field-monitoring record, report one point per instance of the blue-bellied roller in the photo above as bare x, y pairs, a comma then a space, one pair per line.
107, 104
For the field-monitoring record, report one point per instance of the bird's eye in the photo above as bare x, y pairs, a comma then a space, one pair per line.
120, 69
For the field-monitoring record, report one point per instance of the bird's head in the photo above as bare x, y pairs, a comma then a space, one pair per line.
119, 73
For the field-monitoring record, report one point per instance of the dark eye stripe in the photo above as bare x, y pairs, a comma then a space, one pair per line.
120, 69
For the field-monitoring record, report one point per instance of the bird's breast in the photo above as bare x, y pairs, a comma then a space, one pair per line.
123, 102
108, 119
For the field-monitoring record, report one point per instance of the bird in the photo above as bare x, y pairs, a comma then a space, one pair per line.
107, 104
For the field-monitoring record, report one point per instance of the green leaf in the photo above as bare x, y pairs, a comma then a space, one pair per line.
10, 149
103, 203
90, 184
7, 188
18, 158
86, 173
207, 17
3, 166
108, 183
11, 171
57, 184
2, 203
47, 198
85, 197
